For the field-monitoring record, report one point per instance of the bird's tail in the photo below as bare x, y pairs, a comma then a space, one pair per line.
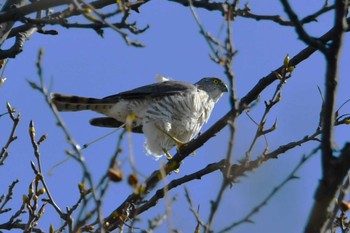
68, 103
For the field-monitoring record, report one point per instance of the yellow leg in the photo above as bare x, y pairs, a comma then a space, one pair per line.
130, 119
168, 155
177, 141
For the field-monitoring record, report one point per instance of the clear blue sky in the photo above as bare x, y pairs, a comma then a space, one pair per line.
80, 62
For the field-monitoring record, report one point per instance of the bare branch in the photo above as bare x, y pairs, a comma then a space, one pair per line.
174, 183
76, 153
300, 30
5, 199
39, 171
210, 6
264, 202
35, 6
334, 168
5, 27
15, 119
23, 32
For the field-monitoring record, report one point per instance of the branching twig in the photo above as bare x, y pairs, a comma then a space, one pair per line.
101, 187
6, 198
286, 73
23, 32
247, 13
15, 119
76, 154
39, 172
194, 211
300, 30
264, 202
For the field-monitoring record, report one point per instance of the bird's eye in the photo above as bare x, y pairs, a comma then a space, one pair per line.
216, 81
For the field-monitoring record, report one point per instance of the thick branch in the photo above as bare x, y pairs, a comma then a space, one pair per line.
210, 6
14, 13
326, 192
334, 169
5, 27
174, 183
332, 57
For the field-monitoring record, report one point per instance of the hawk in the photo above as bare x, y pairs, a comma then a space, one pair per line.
168, 113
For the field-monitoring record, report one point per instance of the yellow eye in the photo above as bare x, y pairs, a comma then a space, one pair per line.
216, 81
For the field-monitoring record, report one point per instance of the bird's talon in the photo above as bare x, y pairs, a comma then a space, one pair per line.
181, 144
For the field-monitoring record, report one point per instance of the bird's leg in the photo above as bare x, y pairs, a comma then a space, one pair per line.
168, 155
130, 119
177, 141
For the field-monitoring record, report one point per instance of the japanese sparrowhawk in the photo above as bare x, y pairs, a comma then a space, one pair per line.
168, 113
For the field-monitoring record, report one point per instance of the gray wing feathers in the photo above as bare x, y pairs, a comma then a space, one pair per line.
110, 122
160, 89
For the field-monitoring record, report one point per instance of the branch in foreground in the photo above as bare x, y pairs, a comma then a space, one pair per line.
76, 153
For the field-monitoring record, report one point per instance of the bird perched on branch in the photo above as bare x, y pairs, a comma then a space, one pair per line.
169, 113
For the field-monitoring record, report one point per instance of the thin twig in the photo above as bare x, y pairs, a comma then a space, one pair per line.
194, 211
39, 171
15, 121
5, 199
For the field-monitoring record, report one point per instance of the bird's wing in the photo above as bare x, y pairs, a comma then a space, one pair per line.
160, 89
110, 122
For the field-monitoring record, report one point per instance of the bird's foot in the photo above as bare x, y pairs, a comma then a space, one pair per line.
130, 119
168, 155
179, 145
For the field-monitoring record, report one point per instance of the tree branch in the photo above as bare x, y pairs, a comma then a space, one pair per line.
303, 35
174, 183
13, 14
334, 169
5, 27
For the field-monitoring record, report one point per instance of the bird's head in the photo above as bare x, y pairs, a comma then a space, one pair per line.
215, 87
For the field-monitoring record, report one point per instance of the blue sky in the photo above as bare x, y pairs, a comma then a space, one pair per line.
80, 62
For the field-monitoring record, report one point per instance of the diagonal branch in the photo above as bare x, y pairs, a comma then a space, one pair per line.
174, 183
